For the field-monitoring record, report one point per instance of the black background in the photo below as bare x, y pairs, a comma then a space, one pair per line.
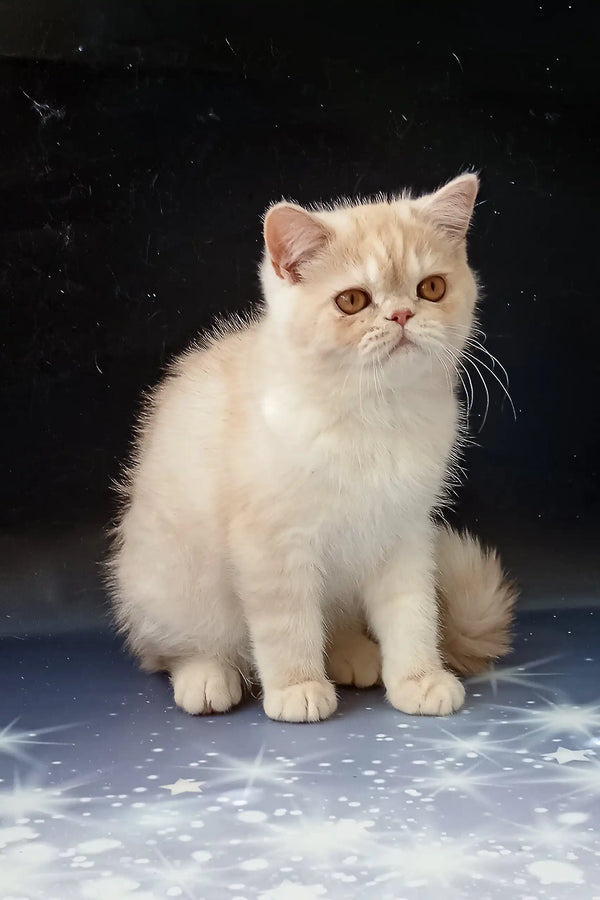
139, 145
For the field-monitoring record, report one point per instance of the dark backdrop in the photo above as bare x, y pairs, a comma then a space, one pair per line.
140, 143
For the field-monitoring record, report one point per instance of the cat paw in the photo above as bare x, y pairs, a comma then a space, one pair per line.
438, 693
204, 686
354, 659
309, 701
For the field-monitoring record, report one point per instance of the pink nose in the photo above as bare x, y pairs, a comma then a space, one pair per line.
401, 316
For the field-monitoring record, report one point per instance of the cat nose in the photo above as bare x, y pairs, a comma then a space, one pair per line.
401, 316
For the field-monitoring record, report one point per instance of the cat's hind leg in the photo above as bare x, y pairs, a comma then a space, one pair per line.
175, 603
353, 658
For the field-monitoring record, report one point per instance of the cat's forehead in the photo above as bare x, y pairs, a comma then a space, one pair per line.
386, 242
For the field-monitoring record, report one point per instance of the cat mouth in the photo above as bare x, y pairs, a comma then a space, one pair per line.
404, 343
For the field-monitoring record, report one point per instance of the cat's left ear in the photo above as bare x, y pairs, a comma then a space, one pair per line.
292, 237
451, 207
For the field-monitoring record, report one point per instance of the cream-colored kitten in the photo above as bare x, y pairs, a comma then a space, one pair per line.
279, 508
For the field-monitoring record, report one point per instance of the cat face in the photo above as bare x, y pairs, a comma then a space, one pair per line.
383, 283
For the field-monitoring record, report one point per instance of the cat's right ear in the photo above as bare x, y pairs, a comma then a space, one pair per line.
292, 237
451, 207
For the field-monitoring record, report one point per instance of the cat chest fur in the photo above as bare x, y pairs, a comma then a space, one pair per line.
354, 488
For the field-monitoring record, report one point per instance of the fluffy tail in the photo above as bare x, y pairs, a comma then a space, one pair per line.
476, 602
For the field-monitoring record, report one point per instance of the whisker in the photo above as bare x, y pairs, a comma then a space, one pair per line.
348, 374
466, 330
479, 346
473, 344
378, 385
378, 391
468, 377
445, 368
487, 394
459, 363
360, 404
456, 363
472, 359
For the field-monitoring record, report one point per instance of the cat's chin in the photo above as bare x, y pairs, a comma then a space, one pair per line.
405, 346
405, 343
407, 361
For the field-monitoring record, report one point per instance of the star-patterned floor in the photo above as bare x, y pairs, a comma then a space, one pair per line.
107, 792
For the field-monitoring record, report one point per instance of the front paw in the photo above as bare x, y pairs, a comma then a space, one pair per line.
206, 686
438, 693
309, 701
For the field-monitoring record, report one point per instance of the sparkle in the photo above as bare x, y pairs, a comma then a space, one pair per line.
581, 779
469, 747
31, 799
30, 870
465, 782
289, 890
12, 743
522, 676
423, 860
153, 818
188, 875
318, 840
254, 771
553, 836
555, 718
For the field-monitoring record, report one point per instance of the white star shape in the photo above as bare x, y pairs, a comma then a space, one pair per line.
184, 786
564, 755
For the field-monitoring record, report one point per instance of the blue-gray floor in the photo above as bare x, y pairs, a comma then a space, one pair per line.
107, 791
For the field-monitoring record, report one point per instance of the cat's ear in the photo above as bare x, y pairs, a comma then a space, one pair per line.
451, 207
292, 237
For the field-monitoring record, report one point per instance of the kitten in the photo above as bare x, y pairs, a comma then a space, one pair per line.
278, 515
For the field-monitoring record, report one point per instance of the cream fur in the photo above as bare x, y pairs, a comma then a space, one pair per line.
278, 512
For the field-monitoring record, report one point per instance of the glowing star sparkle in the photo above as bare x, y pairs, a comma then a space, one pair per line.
31, 799
554, 837
408, 863
322, 841
521, 676
183, 877
13, 743
564, 755
471, 782
259, 771
582, 779
469, 747
184, 786
554, 719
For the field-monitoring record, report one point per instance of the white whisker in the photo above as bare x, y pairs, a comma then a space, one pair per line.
487, 394
456, 363
472, 359
472, 344
479, 346
442, 362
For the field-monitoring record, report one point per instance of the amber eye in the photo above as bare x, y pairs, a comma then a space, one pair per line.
432, 288
352, 301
